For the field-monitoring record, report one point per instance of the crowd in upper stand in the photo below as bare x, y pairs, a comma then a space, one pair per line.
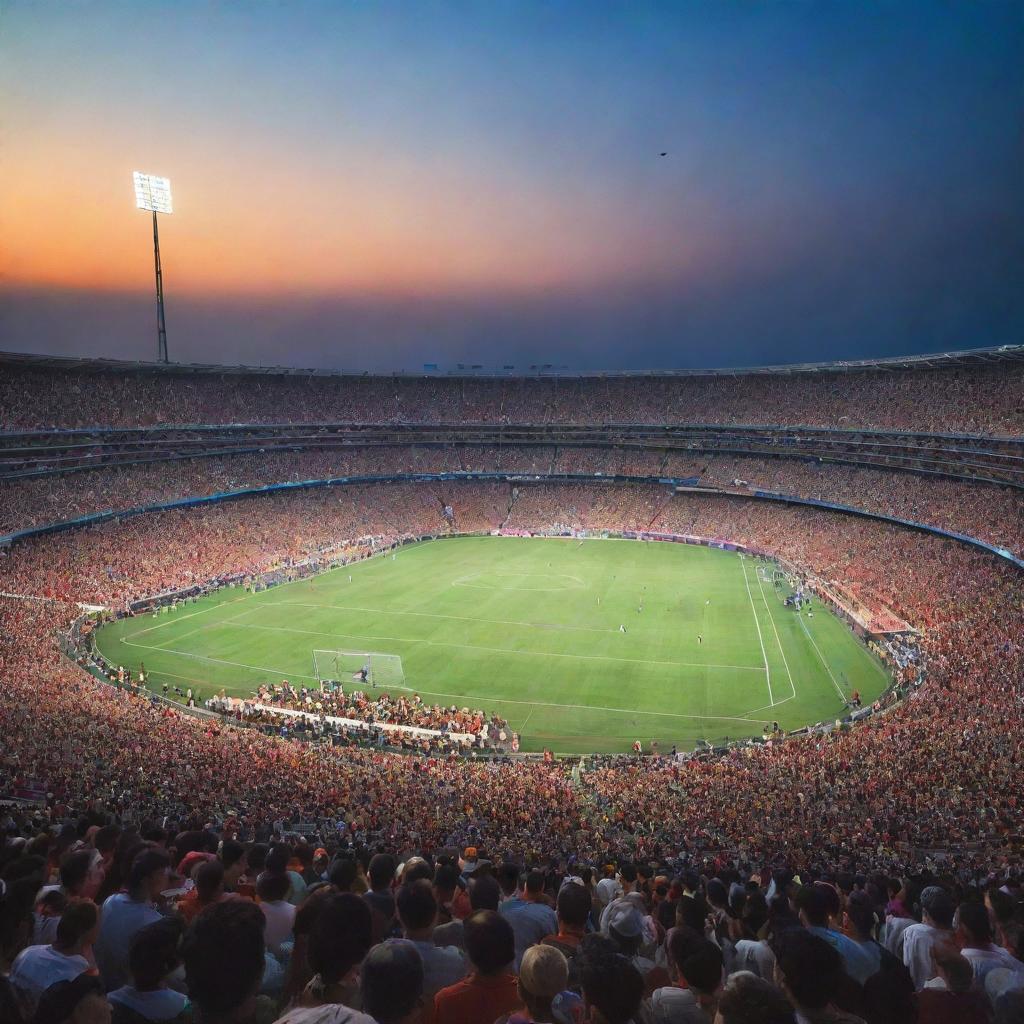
967, 399
987, 512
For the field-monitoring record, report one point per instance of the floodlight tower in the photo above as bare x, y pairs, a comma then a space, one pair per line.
154, 194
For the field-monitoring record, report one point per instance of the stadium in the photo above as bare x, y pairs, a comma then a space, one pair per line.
647, 650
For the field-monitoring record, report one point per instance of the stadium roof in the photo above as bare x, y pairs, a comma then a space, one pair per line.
974, 357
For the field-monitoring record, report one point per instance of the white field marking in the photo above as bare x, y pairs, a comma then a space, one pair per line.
522, 728
173, 619
463, 581
760, 639
821, 658
431, 615
778, 639
195, 629
476, 647
460, 696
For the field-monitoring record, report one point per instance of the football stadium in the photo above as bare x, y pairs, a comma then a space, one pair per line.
565, 561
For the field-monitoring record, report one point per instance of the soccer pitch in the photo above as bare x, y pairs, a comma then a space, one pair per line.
531, 629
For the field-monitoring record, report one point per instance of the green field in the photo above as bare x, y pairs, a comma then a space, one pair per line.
530, 629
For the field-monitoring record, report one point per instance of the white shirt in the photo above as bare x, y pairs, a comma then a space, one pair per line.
918, 941
36, 968
985, 960
280, 915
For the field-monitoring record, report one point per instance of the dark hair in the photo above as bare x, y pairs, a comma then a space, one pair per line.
272, 886
627, 871
889, 997
748, 999
417, 905
147, 862
692, 912
574, 904
224, 955
391, 981
609, 981
78, 919
340, 936
687, 949
60, 1000
508, 875
755, 912
209, 878
484, 892
153, 953
811, 902
342, 873
534, 881
809, 965
446, 877
106, 837
490, 941
974, 920
74, 869
861, 912
381, 871
231, 852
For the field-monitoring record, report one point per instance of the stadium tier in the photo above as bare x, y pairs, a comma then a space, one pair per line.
928, 785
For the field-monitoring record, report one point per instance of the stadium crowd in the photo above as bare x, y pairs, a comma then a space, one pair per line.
982, 399
749, 886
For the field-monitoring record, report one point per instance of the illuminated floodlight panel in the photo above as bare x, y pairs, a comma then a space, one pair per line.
152, 193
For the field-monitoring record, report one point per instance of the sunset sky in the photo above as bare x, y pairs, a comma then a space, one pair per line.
379, 185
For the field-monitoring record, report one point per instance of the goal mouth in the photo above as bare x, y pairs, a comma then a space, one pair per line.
372, 667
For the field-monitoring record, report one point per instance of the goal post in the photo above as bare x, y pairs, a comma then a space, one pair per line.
345, 666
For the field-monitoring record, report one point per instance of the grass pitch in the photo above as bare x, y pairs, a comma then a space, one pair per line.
530, 629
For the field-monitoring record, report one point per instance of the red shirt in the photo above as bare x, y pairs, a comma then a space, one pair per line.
478, 999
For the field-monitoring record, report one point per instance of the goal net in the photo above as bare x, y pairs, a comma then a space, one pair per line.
345, 666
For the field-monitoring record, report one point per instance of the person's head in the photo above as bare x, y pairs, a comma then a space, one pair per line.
625, 927
937, 907
81, 1001
807, 968
224, 958
754, 915
77, 926
612, 987
1000, 906
490, 942
718, 895
446, 881
484, 892
627, 876
417, 868
974, 930
391, 982
340, 937
696, 960
232, 856
209, 881
416, 906
534, 884
153, 953
889, 996
748, 999
149, 872
75, 869
812, 905
543, 973
860, 916
381, 871
343, 873
508, 877
954, 968
273, 886
574, 906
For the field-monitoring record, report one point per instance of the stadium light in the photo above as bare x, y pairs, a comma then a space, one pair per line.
154, 195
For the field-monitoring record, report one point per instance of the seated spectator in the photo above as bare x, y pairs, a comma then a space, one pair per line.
417, 911
80, 1001
80, 876
491, 988
530, 916
955, 1001
152, 958
695, 969
748, 999
339, 939
613, 989
974, 933
391, 983
937, 910
272, 893
209, 889
809, 971
126, 913
36, 968
543, 975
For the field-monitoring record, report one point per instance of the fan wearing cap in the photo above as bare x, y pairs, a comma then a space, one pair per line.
630, 930
543, 975
937, 911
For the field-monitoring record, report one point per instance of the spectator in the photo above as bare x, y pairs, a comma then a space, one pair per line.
79, 1001
491, 989
808, 969
613, 989
695, 968
380, 898
974, 934
530, 916
391, 983
417, 911
543, 975
955, 1001
152, 959
937, 910
125, 914
748, 999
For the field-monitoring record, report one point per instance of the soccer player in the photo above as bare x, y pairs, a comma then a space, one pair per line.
622, 629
